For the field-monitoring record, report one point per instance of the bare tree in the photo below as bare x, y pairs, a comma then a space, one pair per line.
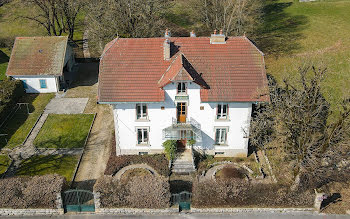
234, 17
314, 138
56, 16
108, 19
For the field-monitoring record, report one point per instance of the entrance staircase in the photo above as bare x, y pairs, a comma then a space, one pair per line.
184, 163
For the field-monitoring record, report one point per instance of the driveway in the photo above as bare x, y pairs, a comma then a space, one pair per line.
66, 106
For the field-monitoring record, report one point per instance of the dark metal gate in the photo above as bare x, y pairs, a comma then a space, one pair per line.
78, 201
183, 199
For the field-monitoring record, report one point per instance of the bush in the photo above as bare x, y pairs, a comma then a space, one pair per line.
10, 92
157, 161
170, 149
239, 193
139, 192
31, 192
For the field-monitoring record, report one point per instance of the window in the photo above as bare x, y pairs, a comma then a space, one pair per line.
219, 153
25, 85
220, 136
142, 136
42, 83
143, 153
181, 88
222, 111
141, 111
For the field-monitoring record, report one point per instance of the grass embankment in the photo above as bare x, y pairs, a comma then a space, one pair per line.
64, 131
5, 162
63, 165
19, 126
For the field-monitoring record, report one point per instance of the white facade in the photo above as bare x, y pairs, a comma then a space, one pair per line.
160, 115
33, 83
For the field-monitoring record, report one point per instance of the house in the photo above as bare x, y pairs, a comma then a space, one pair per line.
43, 64
182, 88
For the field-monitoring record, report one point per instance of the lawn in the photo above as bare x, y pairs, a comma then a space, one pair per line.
5, 162
21, 123
313, 32
63, 165
64, 131
4, 58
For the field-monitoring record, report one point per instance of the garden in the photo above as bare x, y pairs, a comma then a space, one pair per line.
5, 162
64, 131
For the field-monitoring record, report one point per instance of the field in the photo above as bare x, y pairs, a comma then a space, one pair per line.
63, 165
64, 131
19, 126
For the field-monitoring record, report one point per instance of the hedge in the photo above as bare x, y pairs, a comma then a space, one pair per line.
10, 92
240, 193
31, 192
139, 192
159, 162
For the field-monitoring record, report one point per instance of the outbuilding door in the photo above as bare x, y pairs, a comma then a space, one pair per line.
181, 112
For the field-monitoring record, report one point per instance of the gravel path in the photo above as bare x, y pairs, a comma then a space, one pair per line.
97, 149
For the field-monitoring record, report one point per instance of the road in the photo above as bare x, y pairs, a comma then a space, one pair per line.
205, 216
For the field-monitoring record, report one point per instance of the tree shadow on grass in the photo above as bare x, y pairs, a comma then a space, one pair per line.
13, 123
3, 57
280, 31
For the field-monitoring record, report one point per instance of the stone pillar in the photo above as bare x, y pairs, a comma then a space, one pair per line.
97, 201
59, 203
318, 200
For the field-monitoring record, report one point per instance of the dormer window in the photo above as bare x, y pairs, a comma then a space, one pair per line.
181, 88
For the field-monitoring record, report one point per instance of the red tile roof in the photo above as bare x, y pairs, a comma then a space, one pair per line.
134, 70
37, 56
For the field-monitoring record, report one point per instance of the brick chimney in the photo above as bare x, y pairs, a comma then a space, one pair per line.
167, 33
192, 34
166, 46
218, 38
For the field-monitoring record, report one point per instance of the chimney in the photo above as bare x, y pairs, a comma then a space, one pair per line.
167, 33
166, 46
218, 38
192, 34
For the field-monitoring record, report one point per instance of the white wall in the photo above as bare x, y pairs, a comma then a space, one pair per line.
239, 118
34, 84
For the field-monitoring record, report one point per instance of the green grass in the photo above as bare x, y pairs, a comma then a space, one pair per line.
21, 123
5, 162
314, 32
64, 131
63, 165
4, 58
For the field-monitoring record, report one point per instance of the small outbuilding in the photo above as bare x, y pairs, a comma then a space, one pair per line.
43, 64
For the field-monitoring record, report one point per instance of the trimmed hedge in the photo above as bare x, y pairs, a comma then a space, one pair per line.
157, 161
139, 192
31, 192
240, 193
10, 92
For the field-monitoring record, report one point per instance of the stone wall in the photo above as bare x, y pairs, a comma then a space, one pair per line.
35, 211
239, 210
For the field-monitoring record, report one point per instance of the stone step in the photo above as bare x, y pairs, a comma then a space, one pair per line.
183, 165
183, 170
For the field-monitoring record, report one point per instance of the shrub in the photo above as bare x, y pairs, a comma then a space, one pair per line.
170, 149
139, 192
10, 92
239, 193
148, 192
192, 142
31, 192
157, 161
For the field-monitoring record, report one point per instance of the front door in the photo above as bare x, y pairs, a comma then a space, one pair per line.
181, 112
181, 144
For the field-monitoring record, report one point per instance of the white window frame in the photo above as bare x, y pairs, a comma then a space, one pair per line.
143, 115
183, 88
143, 142
220, 142
221, 115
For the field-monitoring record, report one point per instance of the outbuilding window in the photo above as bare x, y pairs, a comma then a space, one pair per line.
141, 111
142, 136
43, 83
222, 111
25, 85
221, 136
